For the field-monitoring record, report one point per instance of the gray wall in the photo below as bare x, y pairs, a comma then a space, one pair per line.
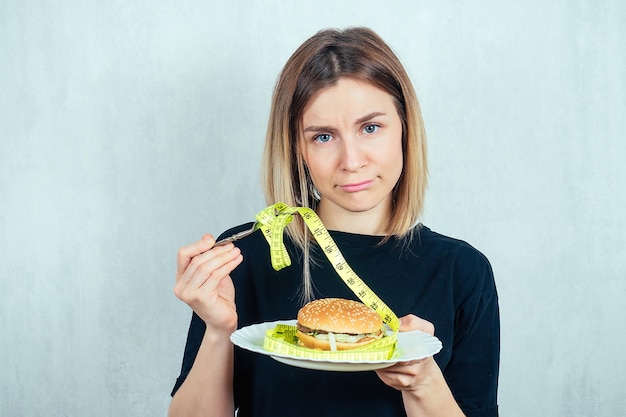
128, 129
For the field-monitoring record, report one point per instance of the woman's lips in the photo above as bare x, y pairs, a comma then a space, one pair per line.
357, 186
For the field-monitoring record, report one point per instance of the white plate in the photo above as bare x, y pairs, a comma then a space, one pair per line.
412, 345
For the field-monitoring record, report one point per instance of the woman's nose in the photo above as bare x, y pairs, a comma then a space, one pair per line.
353, 156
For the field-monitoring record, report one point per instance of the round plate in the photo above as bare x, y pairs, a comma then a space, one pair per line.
412, 345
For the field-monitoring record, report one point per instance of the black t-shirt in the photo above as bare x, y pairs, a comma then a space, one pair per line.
443, 280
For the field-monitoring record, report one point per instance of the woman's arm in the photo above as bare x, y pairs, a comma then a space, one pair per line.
208, 389
431, 397
204, 283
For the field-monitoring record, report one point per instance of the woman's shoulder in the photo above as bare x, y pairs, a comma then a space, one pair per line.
468, 266
439, 243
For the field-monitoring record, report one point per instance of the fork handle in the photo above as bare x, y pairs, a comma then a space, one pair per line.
226, 240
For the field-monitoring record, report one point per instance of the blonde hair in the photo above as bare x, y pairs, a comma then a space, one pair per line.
357, 53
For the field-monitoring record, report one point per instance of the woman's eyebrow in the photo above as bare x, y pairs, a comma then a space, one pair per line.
369, 117
317, 129
360, 120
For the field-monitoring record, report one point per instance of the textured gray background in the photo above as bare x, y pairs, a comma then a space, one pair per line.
128, 129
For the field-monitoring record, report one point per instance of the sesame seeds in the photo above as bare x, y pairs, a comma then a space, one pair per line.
339, 315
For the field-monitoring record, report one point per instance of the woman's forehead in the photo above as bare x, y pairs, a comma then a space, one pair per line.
347, 98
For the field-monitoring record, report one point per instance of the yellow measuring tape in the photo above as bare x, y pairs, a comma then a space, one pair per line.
282, 339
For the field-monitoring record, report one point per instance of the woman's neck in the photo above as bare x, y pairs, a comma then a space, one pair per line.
374, 221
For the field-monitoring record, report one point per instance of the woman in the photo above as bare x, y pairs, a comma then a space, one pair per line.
345, 138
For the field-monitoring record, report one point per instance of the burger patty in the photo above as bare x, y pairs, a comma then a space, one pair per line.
307, 330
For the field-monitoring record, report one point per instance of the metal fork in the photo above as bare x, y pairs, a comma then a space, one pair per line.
239, 235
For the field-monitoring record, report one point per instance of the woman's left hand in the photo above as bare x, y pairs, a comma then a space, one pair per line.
424, 389
410, 375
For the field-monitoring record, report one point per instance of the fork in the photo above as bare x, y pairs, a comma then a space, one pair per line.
239, 235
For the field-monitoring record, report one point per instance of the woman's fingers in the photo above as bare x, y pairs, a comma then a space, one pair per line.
187, 253
203, 282
412, 322
405, 375
200, 264
207, 269
210, 260
213, 267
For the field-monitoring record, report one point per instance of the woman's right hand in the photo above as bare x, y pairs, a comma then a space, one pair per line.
204, 283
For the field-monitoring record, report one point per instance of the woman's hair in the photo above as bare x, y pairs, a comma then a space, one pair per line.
323, 59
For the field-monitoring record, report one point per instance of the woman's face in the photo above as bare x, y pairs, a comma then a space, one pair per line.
351, 142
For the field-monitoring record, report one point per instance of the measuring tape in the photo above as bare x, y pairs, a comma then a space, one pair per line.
273, 220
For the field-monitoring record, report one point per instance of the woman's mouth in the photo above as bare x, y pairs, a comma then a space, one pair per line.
357, 186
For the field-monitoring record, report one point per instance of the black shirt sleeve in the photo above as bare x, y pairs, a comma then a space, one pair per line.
472, 372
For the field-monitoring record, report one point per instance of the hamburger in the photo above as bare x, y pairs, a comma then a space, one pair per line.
337, 324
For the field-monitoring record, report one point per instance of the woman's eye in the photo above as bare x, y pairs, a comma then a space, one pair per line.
371, 128
322, 137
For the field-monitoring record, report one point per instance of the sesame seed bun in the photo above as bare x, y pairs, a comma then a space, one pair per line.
352, 324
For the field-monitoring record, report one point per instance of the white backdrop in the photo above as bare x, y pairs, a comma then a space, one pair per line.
128, 129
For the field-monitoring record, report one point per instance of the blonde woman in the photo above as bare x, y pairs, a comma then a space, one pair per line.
346, 139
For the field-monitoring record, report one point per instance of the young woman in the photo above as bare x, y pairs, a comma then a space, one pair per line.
346, 139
